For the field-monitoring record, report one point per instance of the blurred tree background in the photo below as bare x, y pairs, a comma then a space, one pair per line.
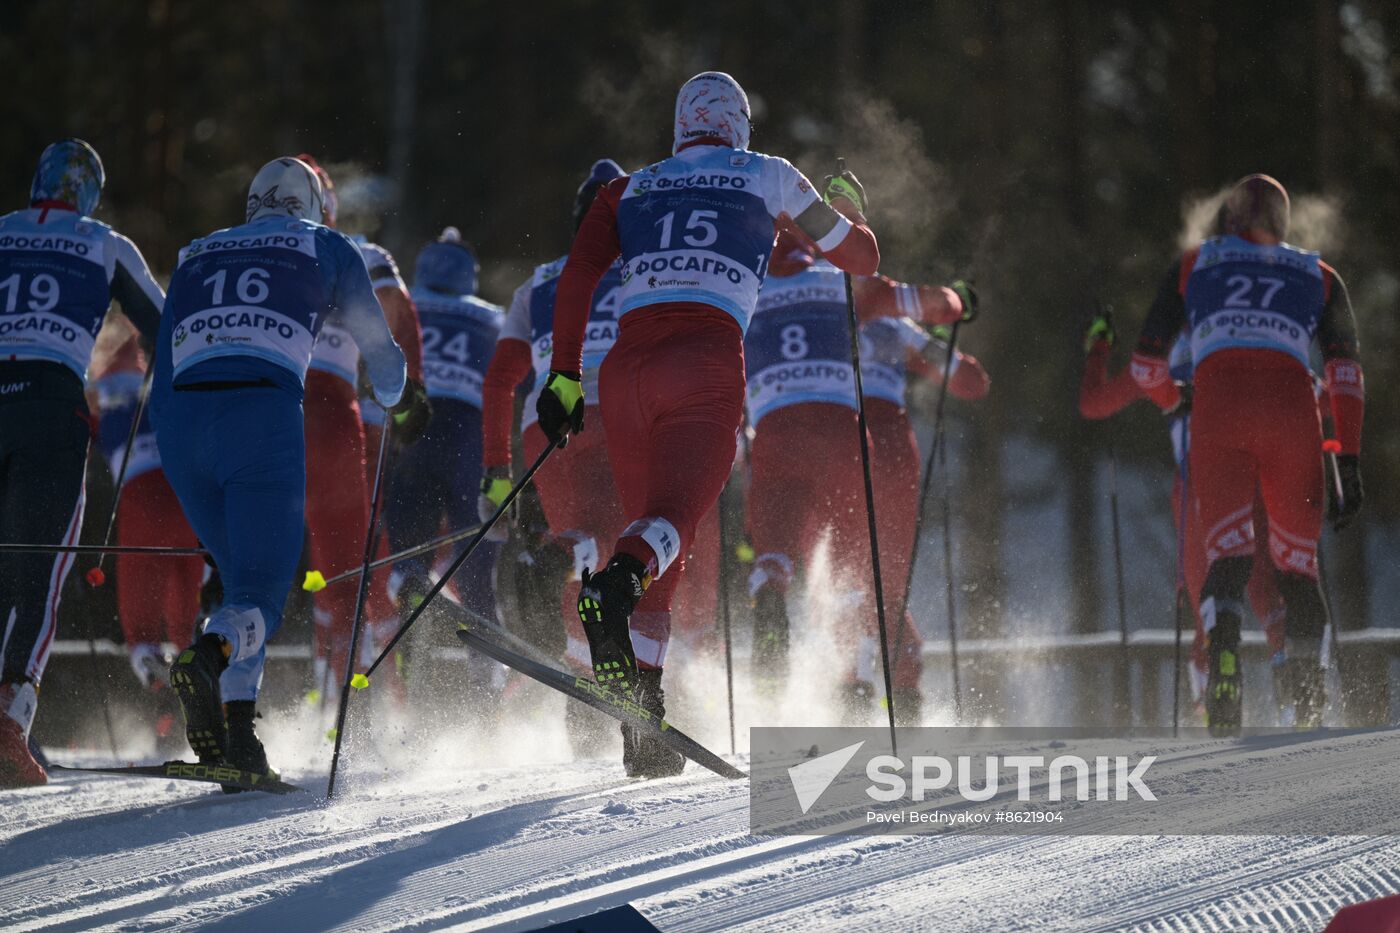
1054, 151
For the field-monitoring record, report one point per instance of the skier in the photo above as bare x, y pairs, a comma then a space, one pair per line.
246, 305
1102, 397
437, 479
157, 595
802, 405
1254, 305
891, 347
337, 490
59, 271
694, 232
576, 487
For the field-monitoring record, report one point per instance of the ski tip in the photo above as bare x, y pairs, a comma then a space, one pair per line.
359, 681
315, 581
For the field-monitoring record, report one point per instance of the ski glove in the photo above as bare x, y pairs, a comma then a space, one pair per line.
1349, 475
968, 296
495, 486
847, 186
1100, 328
409, 417
560, 406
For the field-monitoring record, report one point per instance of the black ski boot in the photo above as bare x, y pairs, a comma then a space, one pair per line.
605, 604
770, 640
642, 754
1224, 703
195, 677
245, 749
1306, 681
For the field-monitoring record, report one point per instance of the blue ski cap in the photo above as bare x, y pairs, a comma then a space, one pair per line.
447, 265
69, 171
603, 171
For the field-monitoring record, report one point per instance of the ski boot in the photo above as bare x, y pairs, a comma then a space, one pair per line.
643, 755
770, 640
245, 749
1224, 705
1307, 682
18, 766
195, 677
856, 702
605, 604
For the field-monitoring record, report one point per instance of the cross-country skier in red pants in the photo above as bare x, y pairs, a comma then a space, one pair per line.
1102, 396
337, 490
802, 405
890, 347
694, 232
1253, 306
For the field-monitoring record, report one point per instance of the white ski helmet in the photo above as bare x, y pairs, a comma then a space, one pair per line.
712, 104
286, 187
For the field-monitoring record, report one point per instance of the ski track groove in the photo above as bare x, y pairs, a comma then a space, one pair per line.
514, 849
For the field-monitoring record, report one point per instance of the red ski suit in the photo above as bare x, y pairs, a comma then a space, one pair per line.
671, 391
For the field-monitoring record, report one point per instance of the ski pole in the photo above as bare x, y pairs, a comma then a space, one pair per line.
724, 613
1182, 594
102, 549
315, 582
950, 590
927, 484
361, 681
869, 498
371, 541
95, 577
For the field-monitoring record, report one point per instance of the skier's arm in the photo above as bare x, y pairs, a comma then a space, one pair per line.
509, 365
839, 228
968, 379
878, 296
595, 247
1100, 396
399, 312
353, 295
135, 289
1164, 321
1341, 353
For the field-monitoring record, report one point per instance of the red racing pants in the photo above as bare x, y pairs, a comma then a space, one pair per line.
157, 596
896, 469
672, 395
337, 513
1256, 432
808, 485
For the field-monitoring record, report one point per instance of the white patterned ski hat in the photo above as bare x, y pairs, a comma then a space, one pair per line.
286, 187
712, 104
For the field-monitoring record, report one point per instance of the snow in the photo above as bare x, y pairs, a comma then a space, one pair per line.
456, 843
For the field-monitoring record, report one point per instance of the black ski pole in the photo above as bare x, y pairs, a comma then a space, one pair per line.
869, 498
149, 550
362, 680
314, 584
926, 484
95, 576
371, 541
724, 558
950, 589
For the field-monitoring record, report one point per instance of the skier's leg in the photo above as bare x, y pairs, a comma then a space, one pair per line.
43, 456
895, 472
1195, 566
780, 509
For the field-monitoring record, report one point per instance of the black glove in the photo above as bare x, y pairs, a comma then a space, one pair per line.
968, 296
560, 406
1349, 475
1182, 407
844, 185
409, 418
